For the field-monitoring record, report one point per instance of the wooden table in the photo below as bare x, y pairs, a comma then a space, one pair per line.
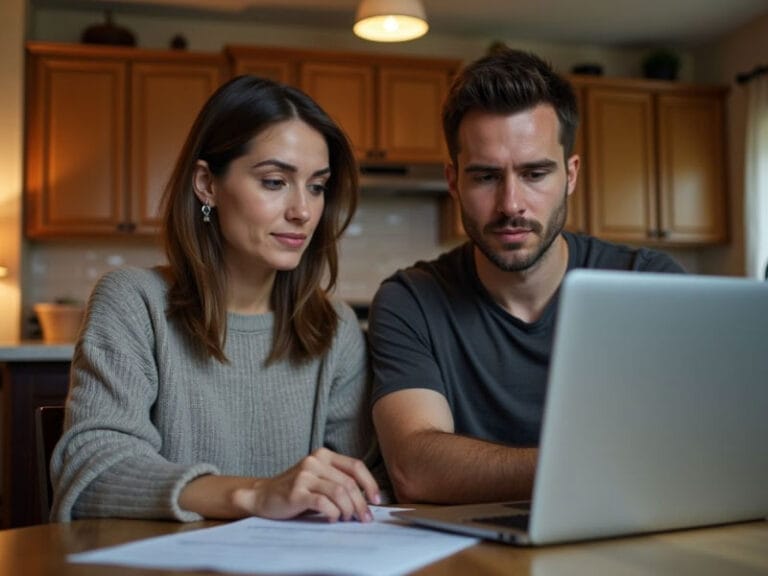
736, 550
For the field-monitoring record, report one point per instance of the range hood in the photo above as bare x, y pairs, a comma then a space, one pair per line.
403, 179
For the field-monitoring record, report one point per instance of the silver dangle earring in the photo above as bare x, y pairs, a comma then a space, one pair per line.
206, 210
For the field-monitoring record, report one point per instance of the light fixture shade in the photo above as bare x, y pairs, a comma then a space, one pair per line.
390, 20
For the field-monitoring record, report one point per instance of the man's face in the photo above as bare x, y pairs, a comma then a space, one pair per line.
512, 183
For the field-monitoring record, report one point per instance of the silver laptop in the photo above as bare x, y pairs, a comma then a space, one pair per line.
656, 415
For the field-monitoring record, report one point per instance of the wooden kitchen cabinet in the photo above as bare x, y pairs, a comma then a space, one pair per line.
656, 163
410, 101
104, 127
346, 91
621, 162
278, 64
391, 111
165, 100
692, 178
389, 106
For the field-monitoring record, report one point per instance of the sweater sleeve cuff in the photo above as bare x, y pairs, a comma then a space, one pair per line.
189, 475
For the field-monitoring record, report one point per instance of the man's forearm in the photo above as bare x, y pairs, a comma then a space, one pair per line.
440, 467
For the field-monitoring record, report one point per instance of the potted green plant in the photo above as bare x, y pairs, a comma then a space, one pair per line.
661, 64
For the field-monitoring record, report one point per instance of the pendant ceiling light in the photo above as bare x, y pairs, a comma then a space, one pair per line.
390, 20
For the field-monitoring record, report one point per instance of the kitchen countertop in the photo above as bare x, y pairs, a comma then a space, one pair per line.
35, 351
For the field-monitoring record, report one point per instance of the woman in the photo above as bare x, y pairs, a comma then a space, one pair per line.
227, 384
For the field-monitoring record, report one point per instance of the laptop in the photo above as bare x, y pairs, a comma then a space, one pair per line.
656, 415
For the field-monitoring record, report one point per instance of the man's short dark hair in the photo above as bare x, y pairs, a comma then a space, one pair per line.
507, 82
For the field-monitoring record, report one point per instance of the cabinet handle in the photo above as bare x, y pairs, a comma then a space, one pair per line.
663, 233
126, 227
376, 154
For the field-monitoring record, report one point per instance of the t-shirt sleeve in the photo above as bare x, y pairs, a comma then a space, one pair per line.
401, 347
657, 261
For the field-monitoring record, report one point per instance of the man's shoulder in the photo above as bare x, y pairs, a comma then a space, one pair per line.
426, 287
592, 252
446, 268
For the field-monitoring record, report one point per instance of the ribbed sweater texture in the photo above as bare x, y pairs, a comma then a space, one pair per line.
147, 413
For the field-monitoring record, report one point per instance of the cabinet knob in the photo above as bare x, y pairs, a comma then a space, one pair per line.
656, 233
126, 227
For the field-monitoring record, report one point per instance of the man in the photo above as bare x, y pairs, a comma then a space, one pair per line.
461, 345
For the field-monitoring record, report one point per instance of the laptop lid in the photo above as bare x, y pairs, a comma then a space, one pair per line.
656, 409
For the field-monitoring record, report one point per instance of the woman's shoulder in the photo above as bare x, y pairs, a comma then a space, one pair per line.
127, 287
344, 311
348, 330
125, 309
131, 279
348, 349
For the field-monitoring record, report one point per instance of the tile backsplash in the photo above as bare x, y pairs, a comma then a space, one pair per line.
387, 233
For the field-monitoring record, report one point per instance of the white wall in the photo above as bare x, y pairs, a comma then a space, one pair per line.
11, 152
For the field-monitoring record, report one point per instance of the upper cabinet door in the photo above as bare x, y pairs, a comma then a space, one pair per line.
104, 128
621, 165
389, 106
76, 146
277, 71
410, 101
276, 64
346, 93
691, 171
165, 100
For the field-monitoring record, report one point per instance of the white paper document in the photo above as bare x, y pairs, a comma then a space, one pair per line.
307, 545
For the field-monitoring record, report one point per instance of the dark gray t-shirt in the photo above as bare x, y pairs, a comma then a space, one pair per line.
434, 326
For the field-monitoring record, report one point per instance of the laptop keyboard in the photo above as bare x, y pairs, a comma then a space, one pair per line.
519, 521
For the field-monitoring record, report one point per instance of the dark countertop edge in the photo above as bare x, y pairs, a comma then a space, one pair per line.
36, 351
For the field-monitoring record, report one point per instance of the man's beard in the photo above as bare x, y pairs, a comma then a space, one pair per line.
546, 234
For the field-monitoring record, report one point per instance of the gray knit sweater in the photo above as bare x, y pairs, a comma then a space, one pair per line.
146, 414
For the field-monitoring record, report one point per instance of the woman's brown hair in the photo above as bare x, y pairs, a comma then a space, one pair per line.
305, 320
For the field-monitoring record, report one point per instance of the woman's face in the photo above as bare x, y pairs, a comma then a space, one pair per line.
270, 200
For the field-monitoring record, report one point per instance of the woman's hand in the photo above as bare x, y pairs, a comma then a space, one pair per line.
338, 487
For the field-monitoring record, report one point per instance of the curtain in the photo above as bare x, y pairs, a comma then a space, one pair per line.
756, 179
